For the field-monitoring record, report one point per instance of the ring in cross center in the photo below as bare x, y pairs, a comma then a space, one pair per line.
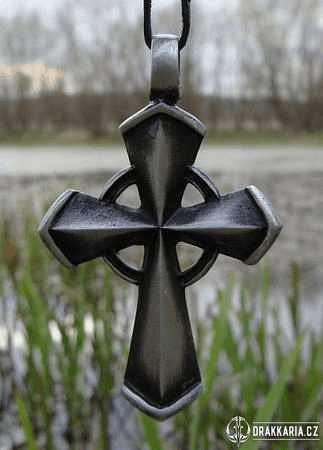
163, 234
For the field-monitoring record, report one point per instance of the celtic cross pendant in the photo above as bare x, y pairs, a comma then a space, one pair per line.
162, 141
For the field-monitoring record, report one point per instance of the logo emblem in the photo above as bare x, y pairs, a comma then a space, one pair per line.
238, 430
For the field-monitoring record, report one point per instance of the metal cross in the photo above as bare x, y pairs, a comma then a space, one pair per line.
162, 142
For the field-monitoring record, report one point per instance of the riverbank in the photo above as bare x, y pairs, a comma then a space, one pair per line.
236, 138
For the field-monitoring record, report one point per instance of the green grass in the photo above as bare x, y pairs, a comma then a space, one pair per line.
26, 140
24, 419
258, 398
220, 138
264, 138
39, 284
241, 387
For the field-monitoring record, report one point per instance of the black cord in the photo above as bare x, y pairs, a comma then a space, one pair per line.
147, 22
186, 14
186, 17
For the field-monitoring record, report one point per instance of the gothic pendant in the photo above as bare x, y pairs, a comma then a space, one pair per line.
162, 141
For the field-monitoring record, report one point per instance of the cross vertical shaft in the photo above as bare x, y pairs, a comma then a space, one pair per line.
162, 362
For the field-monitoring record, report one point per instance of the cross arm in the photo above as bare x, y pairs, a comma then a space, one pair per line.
79, 227
242, 225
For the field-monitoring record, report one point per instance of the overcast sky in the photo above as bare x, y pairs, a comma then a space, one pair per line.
48, 7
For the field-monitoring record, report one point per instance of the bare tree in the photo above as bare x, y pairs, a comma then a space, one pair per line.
101, 45
282, 54
22, 106
25, 39
6, 120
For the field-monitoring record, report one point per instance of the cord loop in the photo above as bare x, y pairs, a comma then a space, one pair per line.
186, 17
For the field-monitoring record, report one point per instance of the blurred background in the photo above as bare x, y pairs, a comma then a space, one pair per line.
82, 65
70, 72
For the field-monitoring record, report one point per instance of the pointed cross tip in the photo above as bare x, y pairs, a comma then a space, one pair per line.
162, 413
274, 224
47, 222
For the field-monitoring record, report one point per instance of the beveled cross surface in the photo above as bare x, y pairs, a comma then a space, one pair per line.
162, 141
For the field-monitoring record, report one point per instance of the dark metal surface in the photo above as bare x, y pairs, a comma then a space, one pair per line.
162, 142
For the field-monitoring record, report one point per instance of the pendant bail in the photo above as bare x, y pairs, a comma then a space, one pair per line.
165, 70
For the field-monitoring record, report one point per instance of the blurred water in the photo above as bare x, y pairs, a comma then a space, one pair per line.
291, 177
73, 159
